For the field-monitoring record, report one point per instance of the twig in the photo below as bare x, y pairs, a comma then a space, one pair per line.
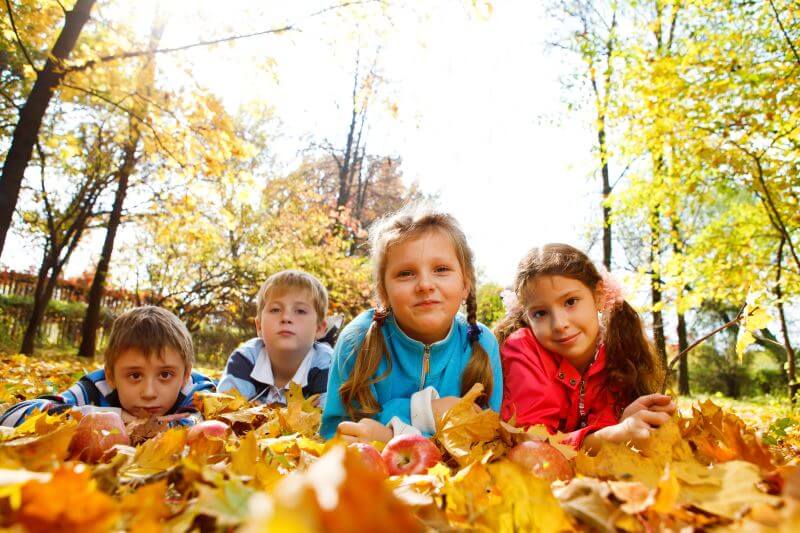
689, 348
19, 39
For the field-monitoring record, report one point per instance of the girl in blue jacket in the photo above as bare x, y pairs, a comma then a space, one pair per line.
398, 368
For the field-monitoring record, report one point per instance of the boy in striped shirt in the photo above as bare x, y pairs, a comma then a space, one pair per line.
147, 373
292, 307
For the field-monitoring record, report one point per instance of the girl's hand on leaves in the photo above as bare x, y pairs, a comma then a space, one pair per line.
365, 430
637, 428
660, 403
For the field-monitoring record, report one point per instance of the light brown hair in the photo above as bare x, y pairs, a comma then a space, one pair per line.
285, 280
148, 329
632, 366
411, 222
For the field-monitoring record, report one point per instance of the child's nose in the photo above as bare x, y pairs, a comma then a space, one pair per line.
424, 282
559, 320
149, 389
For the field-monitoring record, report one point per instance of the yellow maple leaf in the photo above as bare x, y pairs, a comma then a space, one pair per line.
468, 434
301, 415
156, 455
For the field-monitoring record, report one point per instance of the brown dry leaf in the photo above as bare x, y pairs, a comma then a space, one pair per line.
586, 499
146, 509
301, 415
142, 430
635, 497
468, 434
720, 436
213, 404
42, 449
70, 501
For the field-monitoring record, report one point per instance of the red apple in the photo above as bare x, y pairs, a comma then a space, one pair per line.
369, 457
97, 432
542, 460
214, 429
410, 454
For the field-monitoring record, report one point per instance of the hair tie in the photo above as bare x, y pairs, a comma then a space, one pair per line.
473, 332
611, 296
510, 301
380, 316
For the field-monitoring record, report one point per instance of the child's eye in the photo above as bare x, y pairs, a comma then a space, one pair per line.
135, 376
404, 274
166, 375
571, 301
275, 310
302, 311
539, 313
442, 268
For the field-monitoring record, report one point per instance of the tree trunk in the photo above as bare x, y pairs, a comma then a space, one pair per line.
683, 364
790, 360
655, 293
601, 139
91, 320
45, 283
30, 118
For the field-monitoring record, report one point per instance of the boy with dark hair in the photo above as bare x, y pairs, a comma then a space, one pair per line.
147, 372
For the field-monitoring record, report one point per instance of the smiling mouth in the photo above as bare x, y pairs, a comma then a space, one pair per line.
427, 303
567, 339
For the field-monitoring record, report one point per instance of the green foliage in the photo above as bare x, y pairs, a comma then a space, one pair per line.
490, 304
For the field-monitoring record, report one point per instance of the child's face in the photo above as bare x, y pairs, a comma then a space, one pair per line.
148, 386
289, 324
562, 313
425, 285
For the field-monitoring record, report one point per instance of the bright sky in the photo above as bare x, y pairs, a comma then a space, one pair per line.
482, 115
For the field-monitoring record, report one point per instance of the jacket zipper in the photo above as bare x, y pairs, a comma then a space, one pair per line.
426, 363
581, 404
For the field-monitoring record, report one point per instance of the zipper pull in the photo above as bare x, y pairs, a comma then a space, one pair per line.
426, 365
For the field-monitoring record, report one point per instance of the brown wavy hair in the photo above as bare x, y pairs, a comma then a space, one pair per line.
631, 362
411, 222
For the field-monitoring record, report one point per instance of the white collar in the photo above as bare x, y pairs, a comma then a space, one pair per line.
262, 370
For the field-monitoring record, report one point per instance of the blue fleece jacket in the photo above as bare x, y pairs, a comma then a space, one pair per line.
448, 358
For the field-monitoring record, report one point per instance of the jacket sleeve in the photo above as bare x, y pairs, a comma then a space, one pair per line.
237, 376
84, 392
525, 388
342, 361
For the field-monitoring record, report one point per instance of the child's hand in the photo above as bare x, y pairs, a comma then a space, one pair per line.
365, 430
636, 428
442, 405
660, 403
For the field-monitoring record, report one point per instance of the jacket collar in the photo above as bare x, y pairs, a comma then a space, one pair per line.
414, 346
262, 370
569, 375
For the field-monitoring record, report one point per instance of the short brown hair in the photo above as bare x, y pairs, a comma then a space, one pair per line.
284, 280
148, 329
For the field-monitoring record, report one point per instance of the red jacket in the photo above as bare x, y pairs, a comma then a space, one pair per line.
541, 387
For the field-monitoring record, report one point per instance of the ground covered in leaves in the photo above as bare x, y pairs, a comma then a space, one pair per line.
720, 465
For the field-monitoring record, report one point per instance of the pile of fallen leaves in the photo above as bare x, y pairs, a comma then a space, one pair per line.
706, 469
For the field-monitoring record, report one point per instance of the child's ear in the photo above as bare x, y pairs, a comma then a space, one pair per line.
188, 374
322, 328
109, 377
598, 296
257, 322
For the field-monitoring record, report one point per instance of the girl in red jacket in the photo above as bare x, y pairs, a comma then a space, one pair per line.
575, 357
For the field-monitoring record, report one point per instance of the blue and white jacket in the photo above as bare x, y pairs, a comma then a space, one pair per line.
406, 393
249, 371
93, 389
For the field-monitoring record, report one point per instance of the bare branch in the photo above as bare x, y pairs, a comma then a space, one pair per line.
19, 39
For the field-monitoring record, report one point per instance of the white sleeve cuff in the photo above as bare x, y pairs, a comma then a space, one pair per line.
422, 410
401, 428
